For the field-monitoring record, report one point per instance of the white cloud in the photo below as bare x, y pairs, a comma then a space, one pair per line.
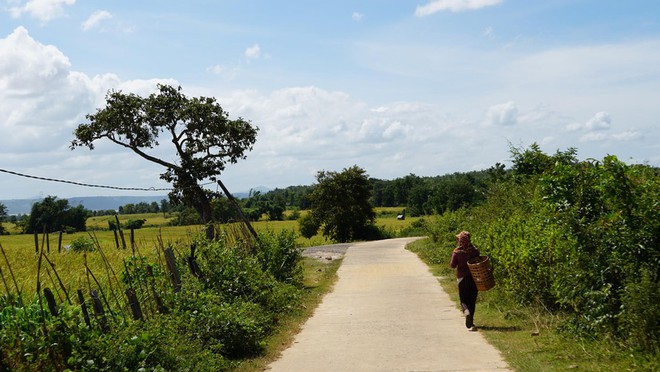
593, 137
572, 127
95, 19
453, 6
216, 69
41, 100
357, 16
502, 114
629, 135
309, 129
28, 67
600, 121
253, 52
43, 10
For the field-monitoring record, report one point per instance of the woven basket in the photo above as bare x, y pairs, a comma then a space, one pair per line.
482, 272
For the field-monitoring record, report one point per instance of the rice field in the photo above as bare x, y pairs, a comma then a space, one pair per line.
78, 269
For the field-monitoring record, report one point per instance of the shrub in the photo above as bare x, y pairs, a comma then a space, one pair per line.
572, 237
134, 224
416, 228
640, 316
308, 226
279, 256
83, 244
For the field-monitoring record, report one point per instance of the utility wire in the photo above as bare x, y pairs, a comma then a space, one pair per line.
85, 184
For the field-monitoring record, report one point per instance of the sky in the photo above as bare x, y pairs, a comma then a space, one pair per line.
396, 87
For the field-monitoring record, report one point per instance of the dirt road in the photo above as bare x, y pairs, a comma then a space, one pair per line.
387, 312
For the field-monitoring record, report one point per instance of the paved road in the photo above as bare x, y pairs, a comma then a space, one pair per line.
387, 312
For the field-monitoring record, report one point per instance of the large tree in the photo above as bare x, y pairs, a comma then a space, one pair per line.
340, 203
52, 214
203, 136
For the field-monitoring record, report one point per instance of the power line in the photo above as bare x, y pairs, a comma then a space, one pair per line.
84, 184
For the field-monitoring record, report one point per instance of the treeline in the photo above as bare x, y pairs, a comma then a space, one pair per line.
579, 238
418, 195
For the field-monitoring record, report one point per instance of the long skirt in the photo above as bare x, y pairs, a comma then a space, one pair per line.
467, 291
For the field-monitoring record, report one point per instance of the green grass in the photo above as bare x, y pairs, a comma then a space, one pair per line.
527, 336
70, 266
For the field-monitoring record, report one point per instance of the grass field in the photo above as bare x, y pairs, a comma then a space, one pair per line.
107, 263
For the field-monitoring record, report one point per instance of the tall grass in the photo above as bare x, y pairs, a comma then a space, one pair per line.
20, 248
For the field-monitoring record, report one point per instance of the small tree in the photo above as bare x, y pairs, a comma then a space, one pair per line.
203, 138
3, 217
340, 203
308, 226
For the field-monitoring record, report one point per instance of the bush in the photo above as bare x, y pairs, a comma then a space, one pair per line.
218, 317
280, 257
640, 316
417, 228
83, 244
572, 237
134, 224
309, 227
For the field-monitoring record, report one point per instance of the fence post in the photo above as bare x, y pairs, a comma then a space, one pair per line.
59, 243
83, 306
50, 299
36, 242
134, 304
116, 238
171, 267
97, 305
192, 263
160, 307
132, 237
121, 233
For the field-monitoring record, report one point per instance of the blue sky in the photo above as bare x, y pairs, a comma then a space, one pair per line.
397, 87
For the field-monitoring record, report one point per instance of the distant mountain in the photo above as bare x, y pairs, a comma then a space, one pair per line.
95, 203
24, 206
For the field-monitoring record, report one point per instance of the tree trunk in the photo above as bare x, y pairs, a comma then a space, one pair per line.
202, 205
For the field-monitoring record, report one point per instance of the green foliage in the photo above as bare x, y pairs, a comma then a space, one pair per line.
221, 315
52, 214
143, 207
134, 224
3, 217
532, 161
308, 226
576, 237
83, 244
186, 217
417, 228
205, 139
340, 203
138, 271
640, 316
280, 257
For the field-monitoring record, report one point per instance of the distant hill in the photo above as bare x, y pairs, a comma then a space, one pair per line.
24, 206
95, 203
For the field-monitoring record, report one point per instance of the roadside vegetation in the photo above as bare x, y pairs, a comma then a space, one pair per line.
235, 310
575, 247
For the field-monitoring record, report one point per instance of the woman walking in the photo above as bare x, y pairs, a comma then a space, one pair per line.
467, 290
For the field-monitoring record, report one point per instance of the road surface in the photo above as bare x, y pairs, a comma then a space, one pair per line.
387, 312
